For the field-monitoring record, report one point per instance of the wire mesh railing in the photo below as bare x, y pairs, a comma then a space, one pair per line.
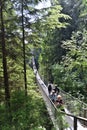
74, 105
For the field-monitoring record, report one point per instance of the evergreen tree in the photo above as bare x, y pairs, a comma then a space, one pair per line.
4, 58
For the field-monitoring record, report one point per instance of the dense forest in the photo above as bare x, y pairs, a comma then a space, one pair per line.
63, 56
57, 37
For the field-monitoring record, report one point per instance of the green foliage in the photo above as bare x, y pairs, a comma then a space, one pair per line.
65, 62
51, 50
73, 9
26, 113
54, 14
58, 72
73, 65
70, 73
61, 121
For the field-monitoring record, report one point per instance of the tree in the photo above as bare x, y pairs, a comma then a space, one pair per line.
24, 21
5, 73
23, 40
73, 9
51, 49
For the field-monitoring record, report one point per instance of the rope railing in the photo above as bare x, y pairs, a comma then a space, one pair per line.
61, 120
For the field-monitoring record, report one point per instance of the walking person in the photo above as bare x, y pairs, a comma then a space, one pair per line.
53, 96
57, 89
49, 88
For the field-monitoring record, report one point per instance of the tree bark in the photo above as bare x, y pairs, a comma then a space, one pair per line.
23, 40
4, 60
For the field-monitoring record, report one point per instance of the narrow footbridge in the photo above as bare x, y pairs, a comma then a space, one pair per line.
75, 115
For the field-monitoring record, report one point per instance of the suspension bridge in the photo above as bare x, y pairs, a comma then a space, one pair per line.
75, 115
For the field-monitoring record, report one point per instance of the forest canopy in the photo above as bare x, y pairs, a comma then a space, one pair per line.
57, 37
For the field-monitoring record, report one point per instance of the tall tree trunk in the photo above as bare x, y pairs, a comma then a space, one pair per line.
4, 60
23, 38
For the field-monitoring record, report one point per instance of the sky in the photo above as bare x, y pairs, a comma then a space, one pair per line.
43, 4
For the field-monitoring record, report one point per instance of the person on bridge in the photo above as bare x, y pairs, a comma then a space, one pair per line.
59, 103
53, 95
49, 88
56, 89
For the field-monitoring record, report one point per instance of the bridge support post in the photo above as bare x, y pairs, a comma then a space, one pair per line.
75, 123
85, 116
